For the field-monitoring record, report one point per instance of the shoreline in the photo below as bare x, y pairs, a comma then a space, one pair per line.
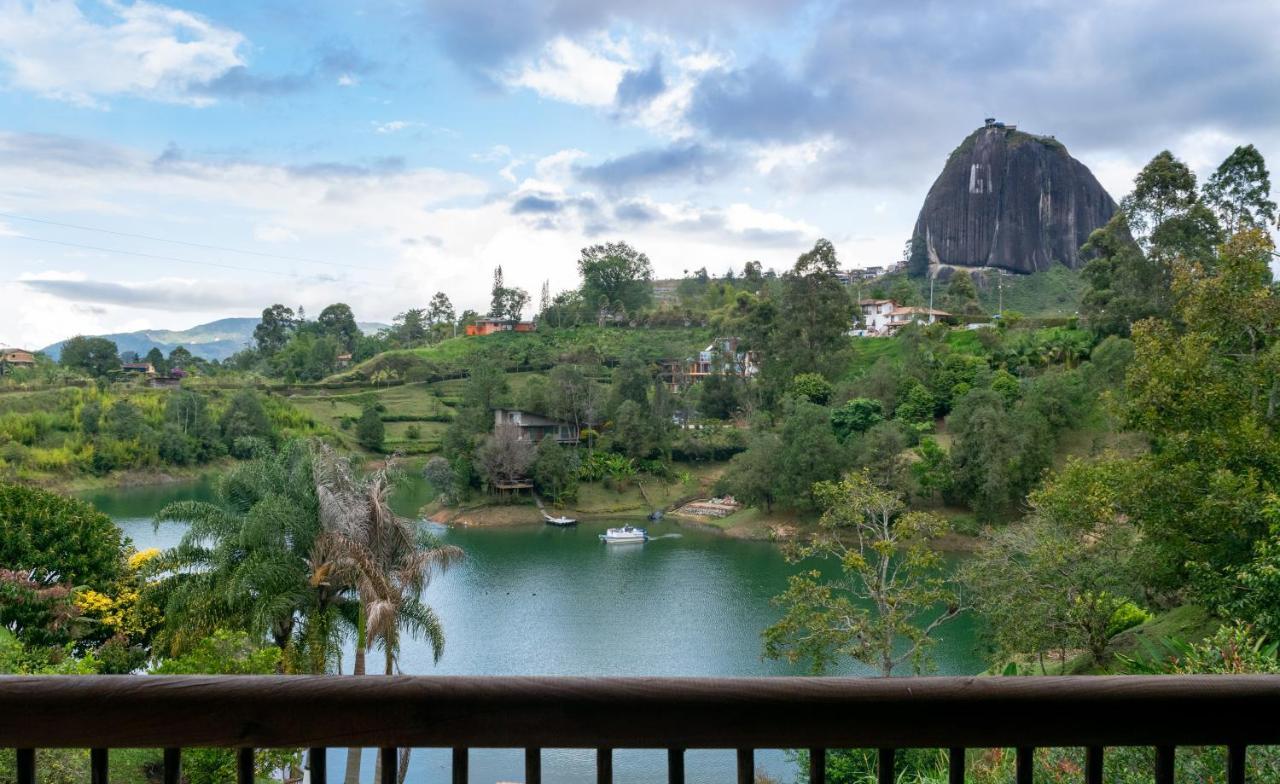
746, 525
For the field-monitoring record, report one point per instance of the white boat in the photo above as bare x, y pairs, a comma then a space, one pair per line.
627, 533
559, 520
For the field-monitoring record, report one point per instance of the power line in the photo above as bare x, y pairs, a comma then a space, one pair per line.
224, 248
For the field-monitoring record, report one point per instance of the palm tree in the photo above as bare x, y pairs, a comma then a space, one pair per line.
388, 559
243, 563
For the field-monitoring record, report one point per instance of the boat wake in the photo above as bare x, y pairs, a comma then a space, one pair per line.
666, 536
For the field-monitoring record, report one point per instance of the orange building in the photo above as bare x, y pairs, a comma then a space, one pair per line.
490, 326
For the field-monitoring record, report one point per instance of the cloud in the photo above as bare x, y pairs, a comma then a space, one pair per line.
639, 86
692, 162
536, 205
485, 38
897, 86
86, 53
575, 73
144, 49
342, 66
167, 294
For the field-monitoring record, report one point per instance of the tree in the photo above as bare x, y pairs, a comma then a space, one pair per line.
883, 607
245, 561
156, 359
1057, 581
813, 387
506, 303
961, 297
180, 358
814, 315
338, 322
856, 416
1239, 189
274, 330
576, 397
752, 476
616, 273
630, 382
440, 309
809, 454
56, 538
555, 471
505, 456
410, 326
386, 559
95, 356
369, 429
1206, 391
1123, 285
245, 422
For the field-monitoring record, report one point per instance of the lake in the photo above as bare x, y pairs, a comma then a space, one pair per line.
540, 600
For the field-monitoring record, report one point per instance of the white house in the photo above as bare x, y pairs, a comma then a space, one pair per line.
875, 317
882, 317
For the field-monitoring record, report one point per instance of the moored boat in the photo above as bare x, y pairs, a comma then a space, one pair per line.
559, 520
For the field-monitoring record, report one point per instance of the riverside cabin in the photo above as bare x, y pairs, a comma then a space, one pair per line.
490, 326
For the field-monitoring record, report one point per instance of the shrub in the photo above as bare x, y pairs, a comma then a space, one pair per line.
56, 535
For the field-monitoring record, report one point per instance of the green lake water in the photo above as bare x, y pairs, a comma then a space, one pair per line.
539, 600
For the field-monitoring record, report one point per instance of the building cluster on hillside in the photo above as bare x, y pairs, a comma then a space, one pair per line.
883, 317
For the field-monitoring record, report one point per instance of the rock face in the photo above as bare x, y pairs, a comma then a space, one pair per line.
1012, 200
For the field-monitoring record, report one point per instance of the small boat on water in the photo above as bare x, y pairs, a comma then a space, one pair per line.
625, 534
559, 520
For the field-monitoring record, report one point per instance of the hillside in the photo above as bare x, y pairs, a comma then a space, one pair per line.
215, 340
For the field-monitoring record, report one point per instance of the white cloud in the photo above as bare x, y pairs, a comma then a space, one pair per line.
348, 80
801, 155
394, 126
54, 49
274, 234
405, 233
571, 72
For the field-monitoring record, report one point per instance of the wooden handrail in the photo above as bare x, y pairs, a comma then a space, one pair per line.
607, 713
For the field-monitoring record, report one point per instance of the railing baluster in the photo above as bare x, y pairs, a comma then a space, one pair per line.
172, 766
955, 765
1093, 757
817, 766
746, 766
388, 761
461, 766
26, 764
1025, 764
318, 762
885, 773
675, 766
604, 766
533, 766
97, 766
1165, 764
1235, 764
244, 766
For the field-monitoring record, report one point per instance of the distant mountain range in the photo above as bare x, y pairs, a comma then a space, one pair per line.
215, 340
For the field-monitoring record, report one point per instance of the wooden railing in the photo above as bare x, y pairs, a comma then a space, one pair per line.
248, 713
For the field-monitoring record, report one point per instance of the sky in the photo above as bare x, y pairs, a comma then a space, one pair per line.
167, 164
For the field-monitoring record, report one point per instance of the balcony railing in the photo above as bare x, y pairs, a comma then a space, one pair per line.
248, 713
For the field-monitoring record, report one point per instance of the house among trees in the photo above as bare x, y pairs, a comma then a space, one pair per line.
882, 317
343, 360
138, 367
535, 427
488, 326
16, 358
723, 357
